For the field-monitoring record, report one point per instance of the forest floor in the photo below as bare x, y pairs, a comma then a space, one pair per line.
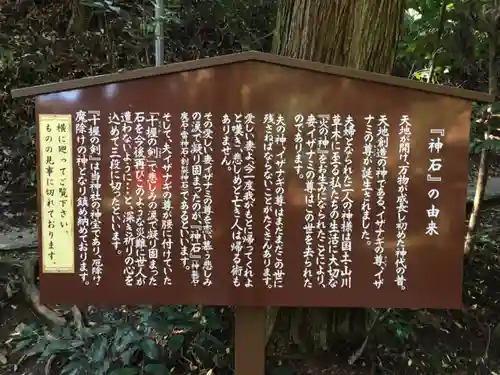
455, 342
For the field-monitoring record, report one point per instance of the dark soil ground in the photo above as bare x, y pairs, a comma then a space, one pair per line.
460, 342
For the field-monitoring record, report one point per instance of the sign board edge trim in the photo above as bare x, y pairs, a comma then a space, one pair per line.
209, 62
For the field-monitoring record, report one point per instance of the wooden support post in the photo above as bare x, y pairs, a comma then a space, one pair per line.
250, 340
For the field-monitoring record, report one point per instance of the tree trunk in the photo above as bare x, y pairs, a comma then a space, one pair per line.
482, 174
313, 30
376, 26
361, 34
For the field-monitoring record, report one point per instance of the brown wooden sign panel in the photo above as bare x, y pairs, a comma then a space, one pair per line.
252, 184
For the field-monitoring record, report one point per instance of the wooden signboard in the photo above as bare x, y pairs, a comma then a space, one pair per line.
252, 180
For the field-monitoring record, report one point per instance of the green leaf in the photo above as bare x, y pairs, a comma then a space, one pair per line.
490, 144
56, 347
495, 107
211, 339
98, 351
38, 348
156, 369
145, 313
126, 356
21, 345
150, 349
100, 329
77, 343
106, 365
411, 47
66, 333
130, 336
175, 343
125, 371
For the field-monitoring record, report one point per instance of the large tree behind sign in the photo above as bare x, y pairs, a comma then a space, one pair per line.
361, 34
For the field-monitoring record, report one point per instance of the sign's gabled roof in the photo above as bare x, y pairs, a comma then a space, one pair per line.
250, 56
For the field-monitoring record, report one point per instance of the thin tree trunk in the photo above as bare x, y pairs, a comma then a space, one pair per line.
437, 44
482, 174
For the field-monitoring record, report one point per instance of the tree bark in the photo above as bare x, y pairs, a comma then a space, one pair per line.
360, 34
313, 30
375, 28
